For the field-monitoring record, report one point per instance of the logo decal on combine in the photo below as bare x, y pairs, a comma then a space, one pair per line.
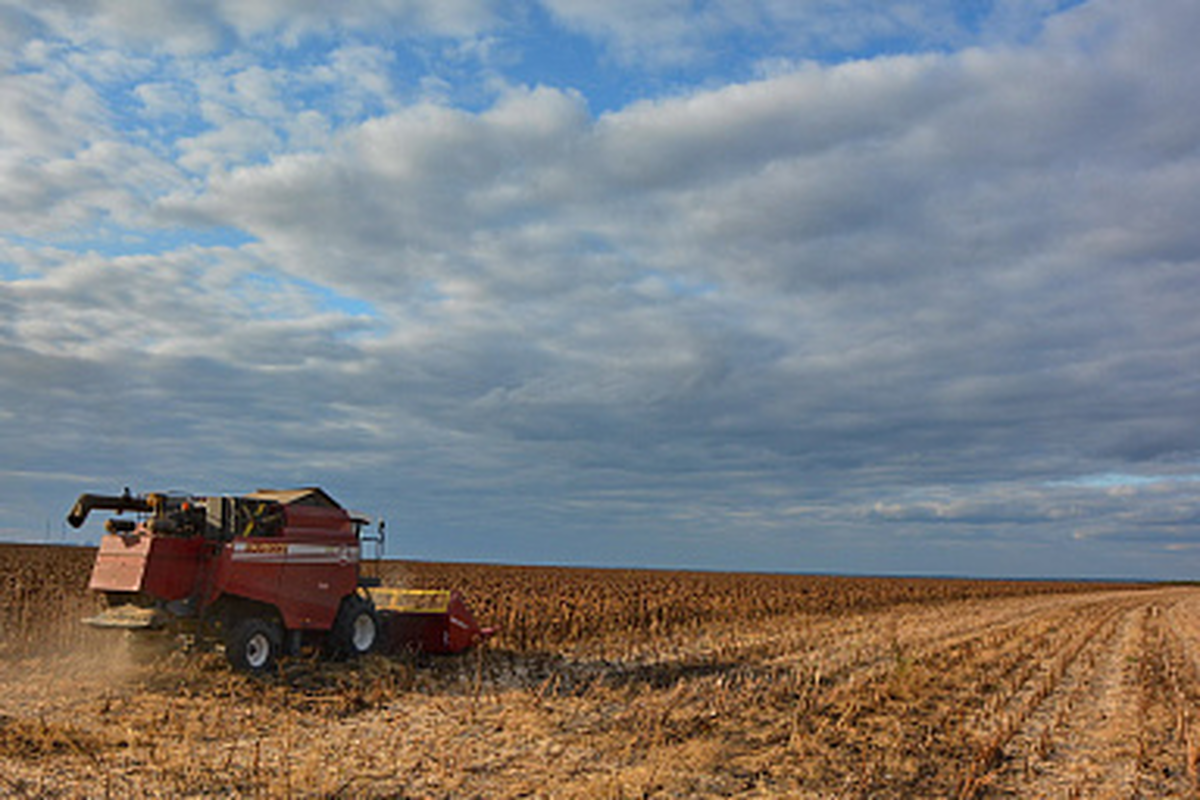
293, 553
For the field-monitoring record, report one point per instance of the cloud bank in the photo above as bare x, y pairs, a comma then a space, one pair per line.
884, 294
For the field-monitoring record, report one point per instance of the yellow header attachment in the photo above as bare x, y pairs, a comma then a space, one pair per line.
411, 601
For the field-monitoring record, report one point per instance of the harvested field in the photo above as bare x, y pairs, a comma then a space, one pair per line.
631, 684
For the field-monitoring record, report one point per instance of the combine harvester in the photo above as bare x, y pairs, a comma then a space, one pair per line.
266, 574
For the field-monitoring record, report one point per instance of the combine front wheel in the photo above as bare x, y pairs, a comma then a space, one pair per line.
254, 644
356, 629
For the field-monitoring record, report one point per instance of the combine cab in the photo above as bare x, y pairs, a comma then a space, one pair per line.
266, 574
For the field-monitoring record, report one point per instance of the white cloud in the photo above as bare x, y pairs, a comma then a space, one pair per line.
162, 99
190, 29
851, 207
45, 116
684, 32
897, 294
235, 142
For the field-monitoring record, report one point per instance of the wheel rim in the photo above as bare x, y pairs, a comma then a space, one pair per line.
258, 651
363, 635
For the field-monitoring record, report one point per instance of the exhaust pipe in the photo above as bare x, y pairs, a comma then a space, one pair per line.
89, 502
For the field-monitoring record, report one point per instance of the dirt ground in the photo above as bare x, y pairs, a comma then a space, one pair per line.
1081, 695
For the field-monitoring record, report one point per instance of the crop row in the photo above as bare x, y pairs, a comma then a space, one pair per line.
557, 608
43, 595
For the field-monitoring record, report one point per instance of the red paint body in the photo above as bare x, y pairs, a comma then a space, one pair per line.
299, 555
292, 556
163, 567
430, 621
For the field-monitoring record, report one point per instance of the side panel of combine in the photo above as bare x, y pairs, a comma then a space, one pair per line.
321, 565
160, 566
299, 559
248, 568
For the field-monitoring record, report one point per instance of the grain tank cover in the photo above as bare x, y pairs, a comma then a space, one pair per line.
307, 496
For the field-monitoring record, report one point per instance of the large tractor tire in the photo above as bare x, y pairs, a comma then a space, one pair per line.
355, 630
254, 645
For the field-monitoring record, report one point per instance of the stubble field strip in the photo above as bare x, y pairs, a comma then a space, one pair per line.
1087, 736
1036, 679
858, 648
1106, 716
942, 681
909, 713
967, 700
693, 685
1127, 730
828, 651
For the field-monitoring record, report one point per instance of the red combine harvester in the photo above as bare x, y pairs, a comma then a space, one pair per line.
266, 573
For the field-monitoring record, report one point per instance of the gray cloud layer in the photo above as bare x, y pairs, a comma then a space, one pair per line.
920, 313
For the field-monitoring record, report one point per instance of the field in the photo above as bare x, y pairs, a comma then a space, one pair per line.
619, 684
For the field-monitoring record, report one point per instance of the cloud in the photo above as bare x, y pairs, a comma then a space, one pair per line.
834, 309
675, 33
189, 29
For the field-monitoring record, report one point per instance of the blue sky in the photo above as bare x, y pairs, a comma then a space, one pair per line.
824, 286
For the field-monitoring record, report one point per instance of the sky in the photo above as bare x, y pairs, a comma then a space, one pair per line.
817, 286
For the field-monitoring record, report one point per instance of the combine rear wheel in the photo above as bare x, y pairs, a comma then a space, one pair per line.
254, 644
356, 629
